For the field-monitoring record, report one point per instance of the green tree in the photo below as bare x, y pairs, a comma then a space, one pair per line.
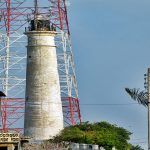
142, 98
101, 133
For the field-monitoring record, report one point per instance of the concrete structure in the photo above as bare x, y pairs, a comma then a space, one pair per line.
94, 147
9, 141
74, 146
101, 148
88, 147
83, 146
77, 146
7, 146
43, 108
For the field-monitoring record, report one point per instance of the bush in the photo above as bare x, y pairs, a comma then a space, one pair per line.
101, 133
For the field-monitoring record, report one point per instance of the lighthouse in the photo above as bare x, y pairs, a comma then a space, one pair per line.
43, 107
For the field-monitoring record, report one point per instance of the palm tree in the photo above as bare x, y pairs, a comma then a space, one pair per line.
140, 96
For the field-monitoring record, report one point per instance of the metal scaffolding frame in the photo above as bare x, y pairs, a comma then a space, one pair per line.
14, 17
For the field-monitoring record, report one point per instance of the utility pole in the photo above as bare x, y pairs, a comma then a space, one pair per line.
148, 81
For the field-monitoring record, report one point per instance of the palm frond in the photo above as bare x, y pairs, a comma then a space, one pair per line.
140, 96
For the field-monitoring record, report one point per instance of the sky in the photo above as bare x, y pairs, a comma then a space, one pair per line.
111, 44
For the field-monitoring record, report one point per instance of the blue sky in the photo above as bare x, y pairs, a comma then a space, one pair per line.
111, 42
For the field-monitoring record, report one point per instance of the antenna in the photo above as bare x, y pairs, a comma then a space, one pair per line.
35, 13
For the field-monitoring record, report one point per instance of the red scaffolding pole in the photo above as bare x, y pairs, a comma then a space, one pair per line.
13, 113
71, 110
13, 18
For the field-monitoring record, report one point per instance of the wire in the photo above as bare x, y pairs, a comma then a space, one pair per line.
84, 104
111, 104
138, 139
142, 142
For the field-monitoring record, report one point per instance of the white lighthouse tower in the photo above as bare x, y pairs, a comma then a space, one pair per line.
43, 107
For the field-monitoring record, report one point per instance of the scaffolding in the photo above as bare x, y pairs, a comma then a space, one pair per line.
14, 18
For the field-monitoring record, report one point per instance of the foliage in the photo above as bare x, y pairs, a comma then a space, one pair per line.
140, 96
101, 133
136, 148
